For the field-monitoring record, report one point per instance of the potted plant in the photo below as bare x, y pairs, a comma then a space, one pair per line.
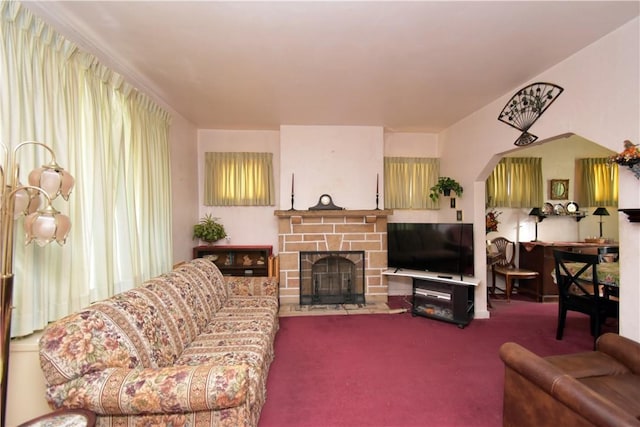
444, 186
209, 230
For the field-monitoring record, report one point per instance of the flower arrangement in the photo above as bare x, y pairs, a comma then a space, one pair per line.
629, 157
491, 220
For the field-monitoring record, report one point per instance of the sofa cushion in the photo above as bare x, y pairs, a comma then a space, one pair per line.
172, 389
237, 340
587, 364
129, 330
622, 390
232, 340
249, 307
205, 277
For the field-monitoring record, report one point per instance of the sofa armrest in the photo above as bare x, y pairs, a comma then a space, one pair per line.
121, 391
622, 349
538, 393
244, 286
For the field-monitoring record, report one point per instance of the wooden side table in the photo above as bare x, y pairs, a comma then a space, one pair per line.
64, 418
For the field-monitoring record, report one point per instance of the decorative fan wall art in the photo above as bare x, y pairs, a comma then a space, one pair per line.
526, 106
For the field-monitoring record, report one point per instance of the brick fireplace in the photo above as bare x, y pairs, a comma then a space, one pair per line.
333, 231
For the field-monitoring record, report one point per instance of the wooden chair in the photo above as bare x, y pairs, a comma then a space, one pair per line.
579, 290
609, 254
504, 266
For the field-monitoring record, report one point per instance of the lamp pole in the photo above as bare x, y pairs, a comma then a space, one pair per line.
42, 225
537, 213
600, 225
601, 211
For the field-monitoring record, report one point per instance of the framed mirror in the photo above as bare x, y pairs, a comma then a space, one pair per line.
559, 189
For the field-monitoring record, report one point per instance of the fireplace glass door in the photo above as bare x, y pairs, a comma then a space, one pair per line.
332, 277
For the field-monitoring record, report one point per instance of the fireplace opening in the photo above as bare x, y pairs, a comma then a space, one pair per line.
332, 277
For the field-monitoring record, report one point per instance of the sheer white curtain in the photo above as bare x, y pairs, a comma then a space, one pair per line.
113, 140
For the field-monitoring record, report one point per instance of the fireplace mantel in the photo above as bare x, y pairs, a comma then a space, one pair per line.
374, 213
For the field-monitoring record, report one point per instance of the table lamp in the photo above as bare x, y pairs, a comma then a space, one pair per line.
602, 212
537, 212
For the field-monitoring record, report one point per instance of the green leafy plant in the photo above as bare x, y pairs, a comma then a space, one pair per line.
209, 230
444, 186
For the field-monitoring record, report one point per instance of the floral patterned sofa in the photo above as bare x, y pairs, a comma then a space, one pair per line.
188, 348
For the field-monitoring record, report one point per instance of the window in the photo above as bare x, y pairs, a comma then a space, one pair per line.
516, 182
407, 181
114, 141
238, 179
597, 181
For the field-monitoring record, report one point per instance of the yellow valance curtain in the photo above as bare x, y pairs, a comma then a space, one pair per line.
407, 181
238, 179
597, 182
516, 182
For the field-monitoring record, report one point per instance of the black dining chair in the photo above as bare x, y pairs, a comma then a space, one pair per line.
609, 254
579, 290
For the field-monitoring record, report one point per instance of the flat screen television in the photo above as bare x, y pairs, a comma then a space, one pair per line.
439, 248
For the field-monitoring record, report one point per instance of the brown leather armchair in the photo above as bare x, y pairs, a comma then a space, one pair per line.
595, 388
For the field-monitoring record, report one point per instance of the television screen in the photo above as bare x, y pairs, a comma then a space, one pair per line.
440, 248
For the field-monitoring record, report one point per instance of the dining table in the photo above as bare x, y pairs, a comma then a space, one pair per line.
608, 272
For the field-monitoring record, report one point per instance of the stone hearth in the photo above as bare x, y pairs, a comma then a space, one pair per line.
333, 230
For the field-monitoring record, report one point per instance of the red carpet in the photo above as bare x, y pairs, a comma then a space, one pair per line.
395, 370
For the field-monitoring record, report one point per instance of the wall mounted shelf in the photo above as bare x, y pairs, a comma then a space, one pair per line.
576, 217
633, 215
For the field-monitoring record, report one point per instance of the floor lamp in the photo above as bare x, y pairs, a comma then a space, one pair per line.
42, 225
602, 212
537, 212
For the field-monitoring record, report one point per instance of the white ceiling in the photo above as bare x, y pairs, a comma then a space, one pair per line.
407, 66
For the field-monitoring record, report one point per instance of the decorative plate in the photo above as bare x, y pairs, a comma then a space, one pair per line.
572, 207
559, 209
547, 209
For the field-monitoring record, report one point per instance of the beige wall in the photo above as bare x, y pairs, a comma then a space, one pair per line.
184, 186
342, 161
597, 104
558, 162
25, 391
256, 225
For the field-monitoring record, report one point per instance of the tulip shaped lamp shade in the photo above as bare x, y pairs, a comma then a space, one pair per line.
42, 225
601, 212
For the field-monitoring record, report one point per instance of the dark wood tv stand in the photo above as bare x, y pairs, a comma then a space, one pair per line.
441, 296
